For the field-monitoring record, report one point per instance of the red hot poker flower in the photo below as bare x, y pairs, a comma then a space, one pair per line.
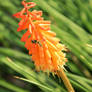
41, 42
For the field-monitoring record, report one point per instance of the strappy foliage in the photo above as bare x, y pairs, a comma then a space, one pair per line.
72, 22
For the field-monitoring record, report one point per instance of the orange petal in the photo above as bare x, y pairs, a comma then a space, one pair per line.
25, 36
51, 46
49, 33
47, 56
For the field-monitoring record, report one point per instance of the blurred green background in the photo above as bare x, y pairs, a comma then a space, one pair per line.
72, 21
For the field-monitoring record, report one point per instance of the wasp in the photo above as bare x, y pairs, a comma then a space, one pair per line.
36, 42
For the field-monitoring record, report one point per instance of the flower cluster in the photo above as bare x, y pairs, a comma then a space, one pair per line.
47, 52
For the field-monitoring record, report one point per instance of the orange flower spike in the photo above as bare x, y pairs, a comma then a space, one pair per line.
42, 44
